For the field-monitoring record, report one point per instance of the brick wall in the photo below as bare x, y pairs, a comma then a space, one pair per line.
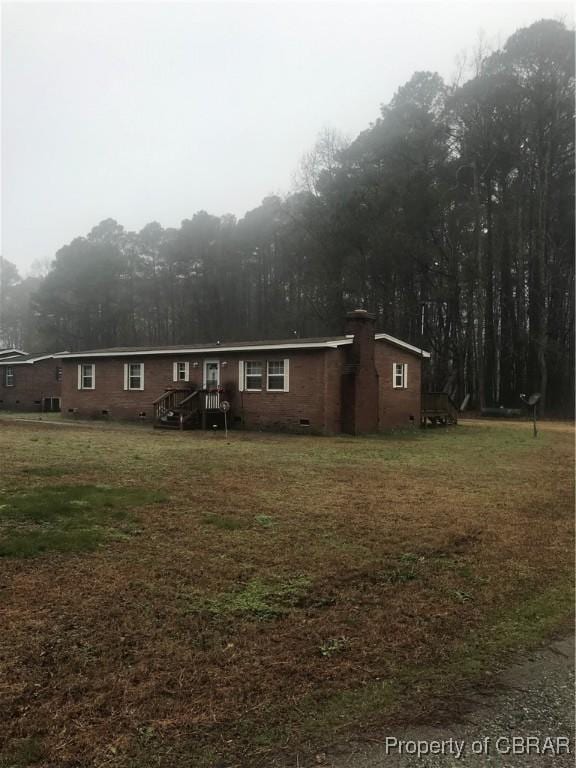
284, 410
32, 383
109, 398
334, 361
397, 407
305, 400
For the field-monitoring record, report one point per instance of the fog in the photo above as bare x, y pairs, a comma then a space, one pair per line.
150, 112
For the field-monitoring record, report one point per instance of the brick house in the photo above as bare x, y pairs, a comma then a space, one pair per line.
357, 383
30, 382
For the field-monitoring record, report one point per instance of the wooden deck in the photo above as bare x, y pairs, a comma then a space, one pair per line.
438, 408
180, 408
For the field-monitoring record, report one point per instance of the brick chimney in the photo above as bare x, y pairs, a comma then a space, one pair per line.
360, 379
361, 324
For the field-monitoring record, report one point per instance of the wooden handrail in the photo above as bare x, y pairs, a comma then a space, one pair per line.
192, 402
189, 397
170, 400
168, 392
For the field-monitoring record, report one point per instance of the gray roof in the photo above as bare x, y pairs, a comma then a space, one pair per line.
318, 342
22, 359
213, 345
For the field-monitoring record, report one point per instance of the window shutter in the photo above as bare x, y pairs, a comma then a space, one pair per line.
142, 376
125, 375
394, 375
93, 375
286, 375
241, 376
174, 371
187, 371
405, 375
80, 376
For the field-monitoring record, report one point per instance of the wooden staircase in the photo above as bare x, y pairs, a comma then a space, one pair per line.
187, 408
176, 409
438, 408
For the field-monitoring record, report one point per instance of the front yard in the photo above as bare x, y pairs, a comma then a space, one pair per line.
174, 599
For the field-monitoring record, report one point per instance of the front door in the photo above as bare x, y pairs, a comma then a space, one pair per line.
211, 383
211, 374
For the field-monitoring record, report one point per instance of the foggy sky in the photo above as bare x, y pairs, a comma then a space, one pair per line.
150, 112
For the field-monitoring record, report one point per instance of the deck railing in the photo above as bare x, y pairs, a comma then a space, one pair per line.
439, 403
211, 400
171, 400
185, 403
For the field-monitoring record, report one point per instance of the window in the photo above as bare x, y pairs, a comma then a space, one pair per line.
134, 376
253, 376
9, 376
276, 375
86, 376
58, 373
400, 375
181, 371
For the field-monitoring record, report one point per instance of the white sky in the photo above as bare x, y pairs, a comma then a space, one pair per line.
151, 111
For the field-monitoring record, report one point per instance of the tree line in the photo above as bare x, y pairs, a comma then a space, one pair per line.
451, 217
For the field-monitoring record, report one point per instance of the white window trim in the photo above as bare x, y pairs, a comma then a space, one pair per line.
175, 371
286, 376
9, 373
404, 384
127, 377
81, 366
245, 387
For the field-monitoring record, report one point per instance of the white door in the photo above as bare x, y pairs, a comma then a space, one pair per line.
211, 383
211, 374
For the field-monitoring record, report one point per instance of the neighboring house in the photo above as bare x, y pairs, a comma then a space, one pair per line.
357, 383
30, 382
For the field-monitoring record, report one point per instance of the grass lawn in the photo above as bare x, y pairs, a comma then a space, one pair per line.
177, 600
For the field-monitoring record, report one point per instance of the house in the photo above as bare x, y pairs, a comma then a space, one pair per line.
359, 382
29, 382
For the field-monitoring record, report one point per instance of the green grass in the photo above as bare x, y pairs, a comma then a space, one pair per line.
266, 521
31, 415
46, 471
224, 522
257, 599
66, 518
25, 753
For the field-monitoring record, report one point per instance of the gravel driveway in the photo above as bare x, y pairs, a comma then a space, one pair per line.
536, 700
